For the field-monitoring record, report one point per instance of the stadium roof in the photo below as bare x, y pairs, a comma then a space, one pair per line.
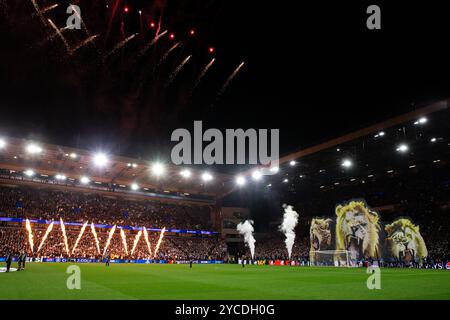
361, 153
47, 160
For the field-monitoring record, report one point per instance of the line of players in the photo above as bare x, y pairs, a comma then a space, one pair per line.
21, 259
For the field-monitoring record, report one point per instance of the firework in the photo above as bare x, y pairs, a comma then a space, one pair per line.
120, 45
60, 35
155, 39
51, 7
111, 232
95, 237
161, 236
83, 43
146, 241
38, 12
49, 228
136, 240
164, 57
63, 230
177, 70
230, 78
124, 240
79, 236
30, 234
203, 73
114, 9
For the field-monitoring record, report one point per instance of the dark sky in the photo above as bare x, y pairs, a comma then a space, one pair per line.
312, 70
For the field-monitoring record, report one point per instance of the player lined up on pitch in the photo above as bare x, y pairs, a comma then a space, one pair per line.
21, 260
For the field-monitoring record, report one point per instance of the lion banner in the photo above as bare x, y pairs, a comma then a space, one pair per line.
357, 230
358, 234
404, 241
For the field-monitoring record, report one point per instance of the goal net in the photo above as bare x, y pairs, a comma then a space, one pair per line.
330, 258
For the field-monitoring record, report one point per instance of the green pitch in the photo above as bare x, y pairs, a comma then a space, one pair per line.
120, 281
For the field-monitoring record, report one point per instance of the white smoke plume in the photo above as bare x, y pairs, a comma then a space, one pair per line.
246, 228
290, 220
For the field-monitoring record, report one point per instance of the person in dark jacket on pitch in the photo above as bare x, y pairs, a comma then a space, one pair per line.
19, 261
9, 258
24, 259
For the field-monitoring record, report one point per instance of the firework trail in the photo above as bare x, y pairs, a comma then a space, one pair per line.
52, 36
159, 22
58, 32
155, 39
230, 78
161, 236
111, 19
95, 237
136, 240
49, 228
177, 70
124, 240
44, 10
30, 234
164, 57
120, 45
146, 240
79, 236
83, 43
38, 12
63, 230
109, 239
203, 73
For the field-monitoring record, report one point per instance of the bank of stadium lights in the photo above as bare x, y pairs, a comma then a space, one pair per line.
380, 134
422, 120
29, 173
73, 155
85, 180
256, 175
433, 140
158, 169
207, 177
286, 180
292, 163
402, 148
240, 180
33, 149
132, 165
100, 159
347, 163
185, 173
60, 177
134, 187
2, 144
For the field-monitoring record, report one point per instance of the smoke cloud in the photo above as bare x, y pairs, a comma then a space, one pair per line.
290, 220
246, 229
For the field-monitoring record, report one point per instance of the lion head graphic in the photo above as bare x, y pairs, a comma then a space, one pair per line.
357, 230
404, 241
320, 234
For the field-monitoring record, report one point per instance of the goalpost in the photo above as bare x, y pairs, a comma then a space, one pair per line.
330, 258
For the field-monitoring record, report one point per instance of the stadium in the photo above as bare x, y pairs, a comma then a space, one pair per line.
93, 206
63, 205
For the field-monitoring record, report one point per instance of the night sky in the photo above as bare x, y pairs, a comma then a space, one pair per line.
312, 70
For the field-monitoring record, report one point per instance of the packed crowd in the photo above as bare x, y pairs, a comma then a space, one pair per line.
80, 207
15, 239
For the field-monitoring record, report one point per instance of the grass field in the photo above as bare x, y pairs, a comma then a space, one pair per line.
125, 281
